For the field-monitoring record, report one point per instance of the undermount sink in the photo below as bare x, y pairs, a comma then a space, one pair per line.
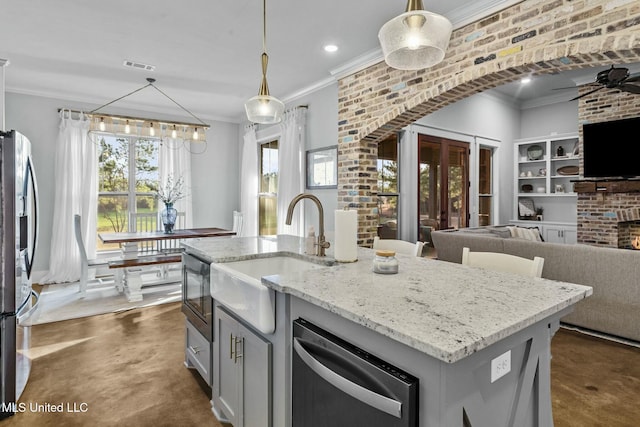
237, 285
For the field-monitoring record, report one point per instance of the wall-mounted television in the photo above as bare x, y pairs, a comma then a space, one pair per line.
609, 149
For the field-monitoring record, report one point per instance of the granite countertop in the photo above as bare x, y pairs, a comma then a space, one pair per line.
442, 309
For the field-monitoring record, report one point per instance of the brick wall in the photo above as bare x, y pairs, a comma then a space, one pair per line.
600, 219
532, 37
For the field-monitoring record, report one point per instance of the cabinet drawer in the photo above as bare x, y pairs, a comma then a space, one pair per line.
198, 352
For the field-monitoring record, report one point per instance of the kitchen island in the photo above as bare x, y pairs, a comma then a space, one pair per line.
477, 340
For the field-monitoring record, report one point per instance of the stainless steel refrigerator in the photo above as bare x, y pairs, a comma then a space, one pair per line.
19, 232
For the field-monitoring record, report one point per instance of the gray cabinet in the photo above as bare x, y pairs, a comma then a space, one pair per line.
198, 352
241, 392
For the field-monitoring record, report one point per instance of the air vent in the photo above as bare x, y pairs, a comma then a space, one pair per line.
139, 65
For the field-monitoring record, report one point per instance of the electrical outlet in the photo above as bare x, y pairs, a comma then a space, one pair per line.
500, 366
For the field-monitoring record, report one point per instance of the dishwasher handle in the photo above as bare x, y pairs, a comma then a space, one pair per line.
383, 403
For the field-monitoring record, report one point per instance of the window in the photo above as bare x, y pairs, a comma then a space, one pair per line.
388, 188
268, 192
127, 181
485, 191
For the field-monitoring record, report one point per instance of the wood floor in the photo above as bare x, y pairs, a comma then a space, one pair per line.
127, 369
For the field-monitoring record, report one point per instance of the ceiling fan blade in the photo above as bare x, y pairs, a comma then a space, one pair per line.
588, 93
632, 78
630, 87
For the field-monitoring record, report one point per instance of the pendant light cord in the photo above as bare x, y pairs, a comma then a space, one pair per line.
264, 26
151, 83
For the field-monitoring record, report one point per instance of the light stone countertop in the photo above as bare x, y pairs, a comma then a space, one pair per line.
442, 309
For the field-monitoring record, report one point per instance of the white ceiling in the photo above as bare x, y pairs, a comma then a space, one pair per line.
206, 52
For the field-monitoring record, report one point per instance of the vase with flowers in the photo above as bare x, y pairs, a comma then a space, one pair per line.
171, 192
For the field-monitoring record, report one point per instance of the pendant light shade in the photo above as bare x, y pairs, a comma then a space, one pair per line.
416, 39
264, 108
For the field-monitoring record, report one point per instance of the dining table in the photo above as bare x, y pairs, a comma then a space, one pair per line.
128, 270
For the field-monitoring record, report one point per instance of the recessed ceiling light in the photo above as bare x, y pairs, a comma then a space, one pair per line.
331, 48
525, 80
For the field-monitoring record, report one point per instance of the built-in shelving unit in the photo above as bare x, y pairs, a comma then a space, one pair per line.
545, 168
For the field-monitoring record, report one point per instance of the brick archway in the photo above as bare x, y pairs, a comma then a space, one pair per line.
532, 37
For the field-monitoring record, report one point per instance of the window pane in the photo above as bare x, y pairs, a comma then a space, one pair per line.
485, 187
146, 203
388, 166
113, 164
147, 174
269, 167
113, 213
388, 217
267, 214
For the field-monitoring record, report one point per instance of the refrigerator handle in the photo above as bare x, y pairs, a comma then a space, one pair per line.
31, 180
383, 403
23, 316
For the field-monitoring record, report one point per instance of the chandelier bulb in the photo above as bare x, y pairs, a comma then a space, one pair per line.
127, 128
195, 134
174, 132
152, 131
102, 125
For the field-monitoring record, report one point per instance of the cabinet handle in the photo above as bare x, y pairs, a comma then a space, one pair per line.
194, 350
238, 355
231, 341
233, 348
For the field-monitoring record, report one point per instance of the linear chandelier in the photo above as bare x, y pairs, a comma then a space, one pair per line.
119, 124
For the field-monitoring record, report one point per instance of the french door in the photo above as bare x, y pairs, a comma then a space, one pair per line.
443, 184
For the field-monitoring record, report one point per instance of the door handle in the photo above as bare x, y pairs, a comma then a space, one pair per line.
366, 396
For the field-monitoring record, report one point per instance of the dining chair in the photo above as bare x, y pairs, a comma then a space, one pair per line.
144, 221
503, 262
86, 263
237, 223
399, 246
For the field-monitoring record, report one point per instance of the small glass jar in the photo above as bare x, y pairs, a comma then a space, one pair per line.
385, 262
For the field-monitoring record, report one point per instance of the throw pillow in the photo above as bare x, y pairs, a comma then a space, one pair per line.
527, 233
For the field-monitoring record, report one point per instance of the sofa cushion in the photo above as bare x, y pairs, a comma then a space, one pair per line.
449, 243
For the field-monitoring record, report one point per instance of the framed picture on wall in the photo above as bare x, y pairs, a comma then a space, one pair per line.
322, 168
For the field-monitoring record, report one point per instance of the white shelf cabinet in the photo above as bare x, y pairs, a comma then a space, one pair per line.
241, 373
541, 174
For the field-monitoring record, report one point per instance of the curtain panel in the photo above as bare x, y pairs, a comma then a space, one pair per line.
175, 160
291, 169
76, 192
249, 182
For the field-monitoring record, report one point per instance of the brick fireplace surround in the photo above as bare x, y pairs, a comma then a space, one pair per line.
534, 36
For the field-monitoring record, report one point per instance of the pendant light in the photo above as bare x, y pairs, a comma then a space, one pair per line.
264, 108
416, 39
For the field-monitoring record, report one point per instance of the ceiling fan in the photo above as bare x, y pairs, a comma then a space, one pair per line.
616, 78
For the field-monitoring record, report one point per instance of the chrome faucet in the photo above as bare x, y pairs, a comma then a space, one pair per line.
322, 244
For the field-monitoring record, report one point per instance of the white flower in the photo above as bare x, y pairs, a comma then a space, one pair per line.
172, 191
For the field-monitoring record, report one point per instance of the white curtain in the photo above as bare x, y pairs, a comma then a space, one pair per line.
175, 160
76, 192
249, 183
291, 169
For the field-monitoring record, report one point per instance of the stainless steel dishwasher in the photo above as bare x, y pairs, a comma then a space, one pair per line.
338, 384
